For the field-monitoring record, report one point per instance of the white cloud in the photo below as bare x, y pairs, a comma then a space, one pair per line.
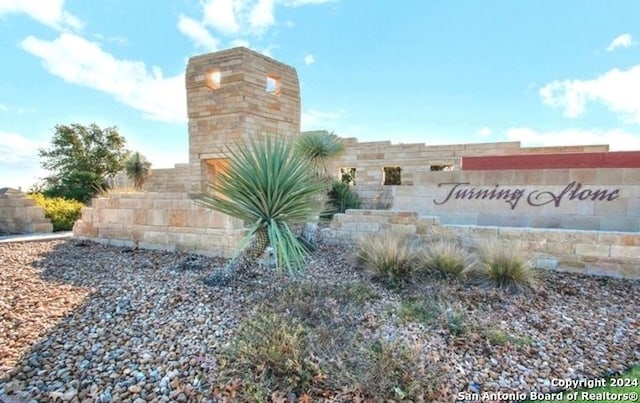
617, 139
261, 17
617, 89
221, 15
298, 3
78, 61
240, 42
19, 161
314, 119
620, 41
49, 12
198, 33
239, 18
309, 59
4, 108
15, 148
484, 132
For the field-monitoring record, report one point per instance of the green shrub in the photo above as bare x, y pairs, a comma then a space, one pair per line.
270, 352
445, 257
389, 257
63, 213
503, 266
340, 198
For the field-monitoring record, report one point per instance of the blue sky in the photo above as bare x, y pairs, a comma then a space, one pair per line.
542, 72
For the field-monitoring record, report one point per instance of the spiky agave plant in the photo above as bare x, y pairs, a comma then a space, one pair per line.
271, 187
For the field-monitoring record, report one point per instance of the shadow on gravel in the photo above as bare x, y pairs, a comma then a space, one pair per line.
144, 326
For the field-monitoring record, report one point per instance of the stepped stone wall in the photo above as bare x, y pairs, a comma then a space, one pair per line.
165, 221
174, 180
20, 215
369, 158
606, 253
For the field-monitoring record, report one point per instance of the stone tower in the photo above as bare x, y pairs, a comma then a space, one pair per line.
232, 96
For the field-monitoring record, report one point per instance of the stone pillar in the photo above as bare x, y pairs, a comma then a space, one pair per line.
232, 96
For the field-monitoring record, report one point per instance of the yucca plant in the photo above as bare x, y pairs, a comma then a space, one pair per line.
137, 169
320, 148
271, 187
503, 266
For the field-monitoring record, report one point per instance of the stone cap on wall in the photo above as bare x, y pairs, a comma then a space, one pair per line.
10, 192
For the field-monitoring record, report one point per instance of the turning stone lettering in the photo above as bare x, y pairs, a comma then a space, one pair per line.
536, 198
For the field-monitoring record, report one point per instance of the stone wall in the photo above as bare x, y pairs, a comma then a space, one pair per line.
166, 221
169, 179
609, 253
376, 197
369, 158
20, 215
605, 199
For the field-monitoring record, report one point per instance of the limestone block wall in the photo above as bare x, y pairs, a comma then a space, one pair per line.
177, 179
376, 197
608, 253
369, 158
154, 220
20, 215
605, 199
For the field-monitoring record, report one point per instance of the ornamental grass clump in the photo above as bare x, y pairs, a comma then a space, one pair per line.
504, 267
445, 257
389, 257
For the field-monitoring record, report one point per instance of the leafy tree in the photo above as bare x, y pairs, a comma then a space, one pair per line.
138, 169
270, 186
80, 159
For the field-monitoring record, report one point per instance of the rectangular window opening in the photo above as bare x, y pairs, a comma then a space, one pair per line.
348, 176
438, 168
273, 85
213, 77
392, 176
212, 168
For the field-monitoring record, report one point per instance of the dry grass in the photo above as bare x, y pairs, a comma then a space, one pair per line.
394, 370
389, 257
106, 191
504, 267
271, 352
445, 257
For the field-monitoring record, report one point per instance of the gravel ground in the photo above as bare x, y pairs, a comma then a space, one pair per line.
84, 322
